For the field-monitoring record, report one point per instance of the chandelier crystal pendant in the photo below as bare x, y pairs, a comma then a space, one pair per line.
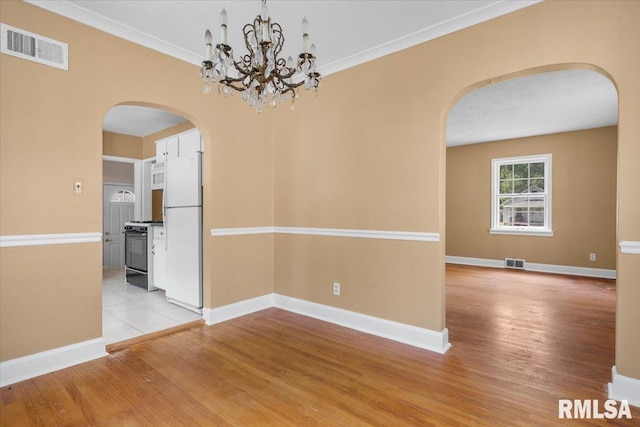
262, 76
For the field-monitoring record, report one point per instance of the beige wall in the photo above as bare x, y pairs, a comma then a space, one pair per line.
68, 144
369, 153
49, 297
583, 200
149, 141
119, 145
117, 172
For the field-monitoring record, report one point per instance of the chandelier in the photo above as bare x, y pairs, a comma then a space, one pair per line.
261, 75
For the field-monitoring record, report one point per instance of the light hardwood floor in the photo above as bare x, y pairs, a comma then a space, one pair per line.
521, 341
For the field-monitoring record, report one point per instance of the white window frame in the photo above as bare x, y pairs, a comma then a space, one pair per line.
496, 228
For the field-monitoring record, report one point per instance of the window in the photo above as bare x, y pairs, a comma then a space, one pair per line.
123, 196
521, 195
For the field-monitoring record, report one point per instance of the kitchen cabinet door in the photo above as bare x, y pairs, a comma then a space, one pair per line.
190, 143
173, 148
159, 258
168, 148
161, 150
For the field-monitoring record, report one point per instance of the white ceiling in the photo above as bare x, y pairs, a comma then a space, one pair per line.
139, 121
346, 33
558, 101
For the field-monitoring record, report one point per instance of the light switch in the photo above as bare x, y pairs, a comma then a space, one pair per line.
77, 187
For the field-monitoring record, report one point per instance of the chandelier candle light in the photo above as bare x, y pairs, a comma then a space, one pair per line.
260, 74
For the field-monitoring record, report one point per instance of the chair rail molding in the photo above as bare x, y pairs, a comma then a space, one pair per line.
48, 239
417, 236
630, 247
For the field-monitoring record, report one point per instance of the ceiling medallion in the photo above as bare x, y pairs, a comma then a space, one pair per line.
261, 75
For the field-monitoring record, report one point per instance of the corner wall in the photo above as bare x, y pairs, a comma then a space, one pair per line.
119, 145
57, 303
583, 200
369, 154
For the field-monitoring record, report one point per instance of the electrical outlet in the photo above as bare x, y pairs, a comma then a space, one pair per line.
336, 288
592, 257
77, 186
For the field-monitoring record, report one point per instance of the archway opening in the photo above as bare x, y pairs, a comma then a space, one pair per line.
156, 282
531, 164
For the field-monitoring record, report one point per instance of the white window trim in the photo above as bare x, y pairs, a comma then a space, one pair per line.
548, 189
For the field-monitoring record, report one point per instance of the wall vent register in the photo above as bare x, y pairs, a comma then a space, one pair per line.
34, 47
518, 264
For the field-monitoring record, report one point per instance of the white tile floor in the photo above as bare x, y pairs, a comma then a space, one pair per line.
129, 311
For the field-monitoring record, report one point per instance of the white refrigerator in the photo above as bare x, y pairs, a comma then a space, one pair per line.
183, 225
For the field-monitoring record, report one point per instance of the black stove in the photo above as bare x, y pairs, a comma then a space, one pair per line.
147, 222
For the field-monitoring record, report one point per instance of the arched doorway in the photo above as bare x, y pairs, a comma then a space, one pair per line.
528, 324
142, 297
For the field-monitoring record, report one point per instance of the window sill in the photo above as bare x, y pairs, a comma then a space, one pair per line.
522, 232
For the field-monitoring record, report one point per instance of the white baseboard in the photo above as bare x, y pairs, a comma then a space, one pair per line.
624, 388
478, 262
531, 266
24, 368
412, 335
241, 308
407, 334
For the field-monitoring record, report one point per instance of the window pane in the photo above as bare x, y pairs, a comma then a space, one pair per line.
520, 206
521, 170
506, 187
537, 185
520, 185
123, 196
537, 170
536, 212
522, 217
506, 171
506, 211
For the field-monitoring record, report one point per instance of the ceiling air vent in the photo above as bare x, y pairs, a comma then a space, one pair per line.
33, 47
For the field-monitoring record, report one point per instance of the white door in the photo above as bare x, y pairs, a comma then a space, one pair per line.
118, 202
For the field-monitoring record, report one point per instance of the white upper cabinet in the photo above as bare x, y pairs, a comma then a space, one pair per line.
168, 148
185, 144
190, 143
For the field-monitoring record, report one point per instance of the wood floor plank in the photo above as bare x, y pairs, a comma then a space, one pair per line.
521, 341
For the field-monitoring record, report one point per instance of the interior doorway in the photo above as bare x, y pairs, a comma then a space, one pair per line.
522, 320
151, 143
118, 204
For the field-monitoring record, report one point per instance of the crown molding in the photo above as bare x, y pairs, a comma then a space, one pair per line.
440, 29
108, 25
92, 19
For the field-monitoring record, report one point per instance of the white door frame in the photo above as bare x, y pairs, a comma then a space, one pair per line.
137, 181
107, 191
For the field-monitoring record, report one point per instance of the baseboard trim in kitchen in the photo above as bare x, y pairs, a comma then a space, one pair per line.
395, 331
24, 368
531, 266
